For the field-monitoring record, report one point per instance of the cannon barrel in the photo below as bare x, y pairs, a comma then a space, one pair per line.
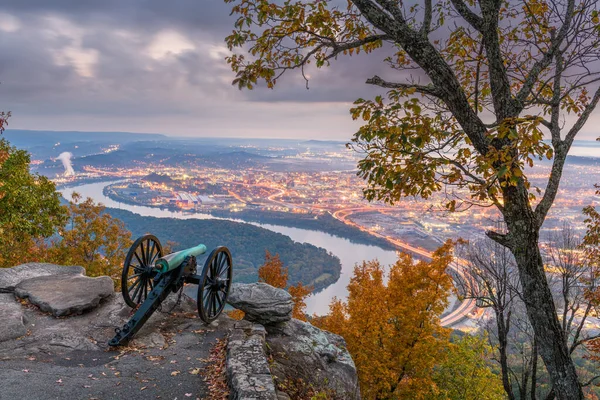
174, 260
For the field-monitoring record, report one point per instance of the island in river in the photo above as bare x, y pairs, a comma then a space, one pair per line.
306, 263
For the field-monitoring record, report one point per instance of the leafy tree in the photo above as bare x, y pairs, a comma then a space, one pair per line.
498, 77
465, 372
591, 247
92, 239
392, 330
299, 294
273, 273
30, 209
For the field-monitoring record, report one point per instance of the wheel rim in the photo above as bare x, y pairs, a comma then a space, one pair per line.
138, 269
214, 285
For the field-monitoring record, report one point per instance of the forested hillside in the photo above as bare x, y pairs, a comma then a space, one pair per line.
308, 264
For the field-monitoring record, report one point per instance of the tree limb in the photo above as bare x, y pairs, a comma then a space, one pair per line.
425, 89
473, 19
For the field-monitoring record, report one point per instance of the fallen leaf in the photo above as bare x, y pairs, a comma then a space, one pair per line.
59, 381
175, 373
25, 370
144, 388
188, 395
194, 371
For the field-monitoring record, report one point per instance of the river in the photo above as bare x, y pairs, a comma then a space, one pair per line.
348, 253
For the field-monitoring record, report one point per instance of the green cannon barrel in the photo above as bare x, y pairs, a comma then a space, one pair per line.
174, 260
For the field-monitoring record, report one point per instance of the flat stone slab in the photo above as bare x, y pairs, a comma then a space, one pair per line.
65, 294
11, 277
12, 317
261, 303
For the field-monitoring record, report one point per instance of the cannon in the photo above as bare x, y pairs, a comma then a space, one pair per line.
149, 277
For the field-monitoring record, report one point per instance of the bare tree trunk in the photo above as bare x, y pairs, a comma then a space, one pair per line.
552, 344
534, 359
503, 349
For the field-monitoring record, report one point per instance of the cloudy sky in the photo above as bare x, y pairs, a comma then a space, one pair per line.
158, 66
154, 66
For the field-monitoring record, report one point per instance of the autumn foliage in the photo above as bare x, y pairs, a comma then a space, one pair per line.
275, 274
392, 330
272, 271
92, 238
591, 246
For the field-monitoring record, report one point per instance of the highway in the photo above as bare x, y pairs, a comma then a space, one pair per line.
467, 307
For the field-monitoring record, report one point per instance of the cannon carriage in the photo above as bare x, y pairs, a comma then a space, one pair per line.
149, 277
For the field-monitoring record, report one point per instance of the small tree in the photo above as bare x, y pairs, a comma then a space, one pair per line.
92, 239
30, 209
466, 374
392, 330
272, 271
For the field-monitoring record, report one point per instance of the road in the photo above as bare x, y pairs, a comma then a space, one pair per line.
467, 307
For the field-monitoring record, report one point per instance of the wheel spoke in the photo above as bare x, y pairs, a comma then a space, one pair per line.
133, 285
148, 251
208, 304
219, 300
155, 253
224, 269
135, 275
223, 263
137, 289
214, 305
138, 258
143, 254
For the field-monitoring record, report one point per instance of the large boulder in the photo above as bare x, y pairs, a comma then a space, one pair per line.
65, 294
12, 317
11, 277
300, 350
261, 303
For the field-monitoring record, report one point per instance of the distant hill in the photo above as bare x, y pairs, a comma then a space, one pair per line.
157, 178
27, 138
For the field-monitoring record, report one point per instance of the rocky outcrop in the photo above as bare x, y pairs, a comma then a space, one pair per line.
300, 353
12, 317
11, 277
64, 294
301, 350
261, 303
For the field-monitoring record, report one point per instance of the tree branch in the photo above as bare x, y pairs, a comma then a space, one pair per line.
560, 155
424, 89
473, 19
426, 27
546, 59
341, 47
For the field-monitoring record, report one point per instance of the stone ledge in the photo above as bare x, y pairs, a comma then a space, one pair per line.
65, 294
247, 367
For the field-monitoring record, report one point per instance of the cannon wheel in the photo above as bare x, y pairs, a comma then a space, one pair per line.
138, 269
214, 285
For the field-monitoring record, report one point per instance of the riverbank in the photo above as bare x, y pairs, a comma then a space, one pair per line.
320, 222
349, 253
